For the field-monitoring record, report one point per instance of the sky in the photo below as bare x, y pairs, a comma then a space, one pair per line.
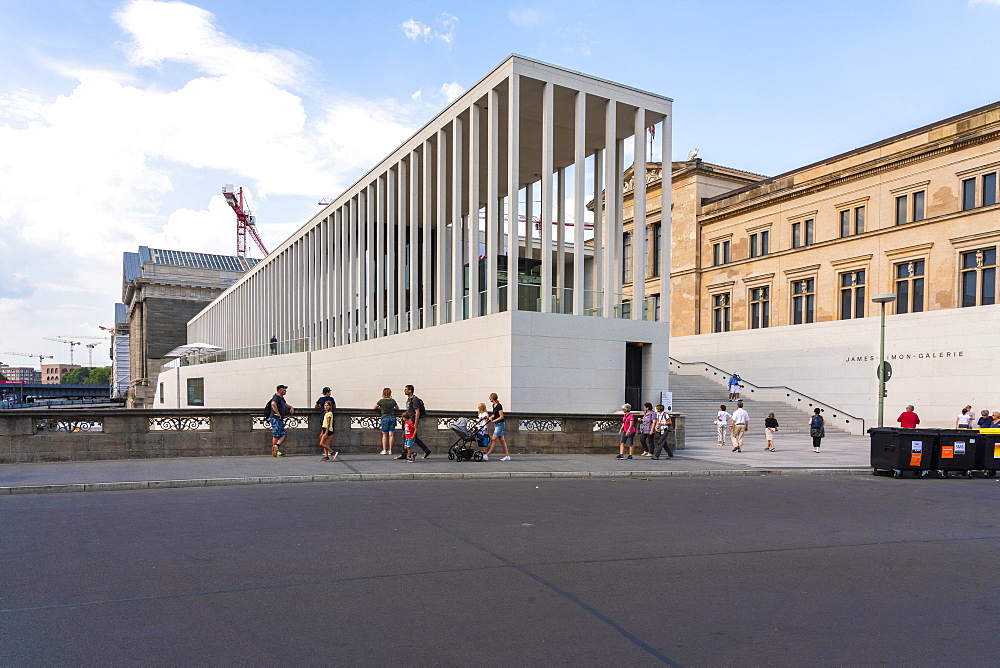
120, 122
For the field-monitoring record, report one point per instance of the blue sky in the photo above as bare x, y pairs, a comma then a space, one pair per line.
121, 121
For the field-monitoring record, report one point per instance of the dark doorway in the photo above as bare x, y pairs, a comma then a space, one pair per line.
633, 375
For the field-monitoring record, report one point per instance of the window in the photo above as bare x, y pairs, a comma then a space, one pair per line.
910, 287
720, 253
195, 391
653, 252
161, 393
803, 233
627, 258
852, 221
796, 235
901, 209
760, 307
803, 301
968, 194
720, 312
760, 243
979, 277
852, 295
809, 232
987, 192
910, 208
989, 189
918, 206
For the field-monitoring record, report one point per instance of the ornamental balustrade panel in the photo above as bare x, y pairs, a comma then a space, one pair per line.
69, 426
180, 423
291, 422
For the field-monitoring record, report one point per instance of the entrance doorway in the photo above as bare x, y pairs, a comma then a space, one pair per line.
633, 375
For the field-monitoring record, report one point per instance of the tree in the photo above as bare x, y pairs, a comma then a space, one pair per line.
3, 377
87, 376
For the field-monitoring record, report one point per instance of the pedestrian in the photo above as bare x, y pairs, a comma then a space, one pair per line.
965, 418
499, 420
817, 429
626, 433
770, 427
996, 419
321, 404
722, 423
409, 433
273, 344
646, 436
482, 419
908, 419
415, 407
741, 422
277, 410
734, 386
985, 420
386, 406
663, 426
326, 433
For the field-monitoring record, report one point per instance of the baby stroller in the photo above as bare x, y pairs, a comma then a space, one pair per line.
467, 445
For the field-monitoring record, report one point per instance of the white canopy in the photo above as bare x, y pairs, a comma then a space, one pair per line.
189, 349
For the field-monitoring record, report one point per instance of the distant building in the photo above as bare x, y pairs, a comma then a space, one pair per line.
120, 375
22, 374
161, 291
52, 373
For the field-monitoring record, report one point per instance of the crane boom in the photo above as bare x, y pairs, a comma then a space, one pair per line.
40, 357
245, 222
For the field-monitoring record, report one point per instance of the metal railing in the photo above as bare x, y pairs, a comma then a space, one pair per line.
782, 393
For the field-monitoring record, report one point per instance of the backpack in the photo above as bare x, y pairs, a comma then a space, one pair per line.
267, 411
817, 421
419, 405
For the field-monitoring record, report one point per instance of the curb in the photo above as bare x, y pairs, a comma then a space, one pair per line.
425, 477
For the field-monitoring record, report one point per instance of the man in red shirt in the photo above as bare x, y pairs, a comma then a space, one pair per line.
908, 419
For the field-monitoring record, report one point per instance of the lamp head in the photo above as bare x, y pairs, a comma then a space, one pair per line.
884, 299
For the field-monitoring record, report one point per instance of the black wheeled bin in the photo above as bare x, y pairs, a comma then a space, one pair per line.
896, 450
988, 451
955, 450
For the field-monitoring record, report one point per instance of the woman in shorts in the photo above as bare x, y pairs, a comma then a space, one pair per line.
387, 420
626, 433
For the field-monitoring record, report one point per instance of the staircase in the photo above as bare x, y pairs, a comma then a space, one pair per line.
699, 399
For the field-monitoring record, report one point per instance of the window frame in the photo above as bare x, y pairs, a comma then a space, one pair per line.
855, 293
977, 272
807, 298
911, 281
722, 303
759, 313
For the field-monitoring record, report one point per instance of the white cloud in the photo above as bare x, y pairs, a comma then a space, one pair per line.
109, 164
984, 2
414, 29
526, 17
452, 91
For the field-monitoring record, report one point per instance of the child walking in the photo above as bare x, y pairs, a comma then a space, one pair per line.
409, 433
326, 433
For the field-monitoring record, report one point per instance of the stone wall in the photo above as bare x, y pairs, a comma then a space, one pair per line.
76, 435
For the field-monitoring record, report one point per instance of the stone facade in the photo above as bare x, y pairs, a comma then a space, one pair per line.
52, 373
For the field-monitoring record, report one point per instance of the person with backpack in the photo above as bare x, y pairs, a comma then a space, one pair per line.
816, 429
276, 411
415, 407
663, 426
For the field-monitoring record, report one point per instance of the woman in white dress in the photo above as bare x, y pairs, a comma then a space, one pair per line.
722, 424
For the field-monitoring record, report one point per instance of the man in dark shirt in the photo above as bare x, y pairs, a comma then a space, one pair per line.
415, 407
278, 409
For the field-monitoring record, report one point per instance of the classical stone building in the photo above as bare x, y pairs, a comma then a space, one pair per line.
52, 373
773, 277
161, 291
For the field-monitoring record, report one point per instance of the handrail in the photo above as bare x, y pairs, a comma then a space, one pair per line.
784, 388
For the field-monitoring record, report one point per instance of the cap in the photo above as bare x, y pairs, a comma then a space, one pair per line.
282, 387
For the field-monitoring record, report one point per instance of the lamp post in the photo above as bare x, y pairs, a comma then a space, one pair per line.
882, 300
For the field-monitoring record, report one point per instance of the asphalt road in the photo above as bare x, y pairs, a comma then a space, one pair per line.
811, 570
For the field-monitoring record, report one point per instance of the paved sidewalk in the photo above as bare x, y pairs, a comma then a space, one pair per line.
843, 455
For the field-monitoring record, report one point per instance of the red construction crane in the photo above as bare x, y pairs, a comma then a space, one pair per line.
245, 222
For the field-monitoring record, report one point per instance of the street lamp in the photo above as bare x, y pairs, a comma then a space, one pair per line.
882, 375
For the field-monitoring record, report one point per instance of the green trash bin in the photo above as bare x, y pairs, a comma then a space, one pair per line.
896, 450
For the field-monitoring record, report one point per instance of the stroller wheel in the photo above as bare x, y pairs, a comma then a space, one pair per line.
451, 455
478, 456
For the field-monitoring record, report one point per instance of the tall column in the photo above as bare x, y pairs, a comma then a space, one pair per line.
610, 178
618, 235
666, 216
639, 215
416, 172
352, 267
529, 223
391, 250
560, 239
439, 269
513, 188
402, 259
379, 225
341, 281
546, 209
457, 219
579, 196
492, 200
371, 261
475, 124
426, 227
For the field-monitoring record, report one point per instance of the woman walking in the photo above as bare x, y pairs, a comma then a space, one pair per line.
770, 426
626, 433
965, 418
646, 423
499, 420
816, 429
722, 423
386, 406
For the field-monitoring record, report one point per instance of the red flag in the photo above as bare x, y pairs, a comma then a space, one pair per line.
652, 131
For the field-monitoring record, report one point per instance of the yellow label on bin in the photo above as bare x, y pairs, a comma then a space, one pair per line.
947, 452
996, 450
915, 459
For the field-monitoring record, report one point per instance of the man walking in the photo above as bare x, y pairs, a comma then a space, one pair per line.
741, 422
277, 410
415, 407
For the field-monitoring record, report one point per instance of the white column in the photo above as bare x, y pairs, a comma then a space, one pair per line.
513, 187
665, 217
639, 215
579, 197
352, 267
456, 220
610, 178
492, 203
339, 278
440, 272
402, 269
426, 239
545, 214
529, 224
391, 249
619, 190
474, 159
560, 238
379, 224
416, 172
